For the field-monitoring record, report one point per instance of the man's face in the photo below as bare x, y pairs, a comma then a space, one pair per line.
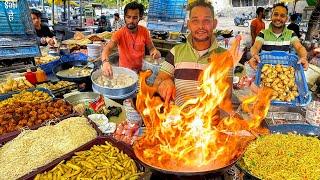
261, 14
201, 24
132, 18
36, 21
116, 18
279, 17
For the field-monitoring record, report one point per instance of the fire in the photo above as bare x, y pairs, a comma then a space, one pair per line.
195, 137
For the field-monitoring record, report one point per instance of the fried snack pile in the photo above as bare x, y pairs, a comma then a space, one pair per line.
18, 115
100, 162
56, 86
15, 85
282, 80
35, 96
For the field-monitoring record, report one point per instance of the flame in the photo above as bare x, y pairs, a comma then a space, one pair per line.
195, 137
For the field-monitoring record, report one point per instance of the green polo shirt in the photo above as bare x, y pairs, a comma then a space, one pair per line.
273, 42
185, 64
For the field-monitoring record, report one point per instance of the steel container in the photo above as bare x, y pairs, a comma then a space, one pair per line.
115, 92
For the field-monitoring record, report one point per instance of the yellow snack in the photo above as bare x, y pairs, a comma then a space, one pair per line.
281, 79
100, 162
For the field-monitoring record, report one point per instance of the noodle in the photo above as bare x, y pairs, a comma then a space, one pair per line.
281, 156
36, 148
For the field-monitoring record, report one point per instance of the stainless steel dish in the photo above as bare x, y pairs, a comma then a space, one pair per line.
115, 92
154, 65
82, 97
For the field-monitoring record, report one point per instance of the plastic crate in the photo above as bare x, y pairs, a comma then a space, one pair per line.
167, 10
49, 66
286, 59
74, 57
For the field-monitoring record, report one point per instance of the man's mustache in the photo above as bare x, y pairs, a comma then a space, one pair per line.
201, 31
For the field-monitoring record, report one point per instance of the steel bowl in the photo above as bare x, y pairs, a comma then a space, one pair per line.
115, 92
82, 97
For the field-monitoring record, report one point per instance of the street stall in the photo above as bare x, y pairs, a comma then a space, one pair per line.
62, 118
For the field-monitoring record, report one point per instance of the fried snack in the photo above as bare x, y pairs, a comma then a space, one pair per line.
95, 38
78, 35
18, 115
282, 80
56, 86
45, 59
35, 96
15, 85
100, 162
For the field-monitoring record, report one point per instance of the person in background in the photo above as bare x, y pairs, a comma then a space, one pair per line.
131, 41
45, 36
278, 38
117, 23
257, 24
293, 26
104, 24
178, 76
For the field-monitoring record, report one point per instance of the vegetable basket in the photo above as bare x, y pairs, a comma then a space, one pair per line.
286, 59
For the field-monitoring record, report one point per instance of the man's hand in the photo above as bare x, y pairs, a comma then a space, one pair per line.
155, 54
304, 62
50, 41
167, 90
253, 62
106, 68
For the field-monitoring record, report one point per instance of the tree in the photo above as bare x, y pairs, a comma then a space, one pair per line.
108, 3
113, 3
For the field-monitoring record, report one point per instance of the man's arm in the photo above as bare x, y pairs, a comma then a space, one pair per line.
252, 31
255, 49
164, 81
302, 53
107, 50
154, 53
106, 66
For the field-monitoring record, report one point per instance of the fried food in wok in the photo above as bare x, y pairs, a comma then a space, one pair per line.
284, 156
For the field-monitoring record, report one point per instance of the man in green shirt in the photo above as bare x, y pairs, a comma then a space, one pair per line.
277, 38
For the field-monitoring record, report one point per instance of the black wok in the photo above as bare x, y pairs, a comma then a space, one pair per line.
67, 65
303, 129
182, 174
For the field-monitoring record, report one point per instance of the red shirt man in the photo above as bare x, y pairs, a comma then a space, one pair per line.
131, 41
131, 46
257, 24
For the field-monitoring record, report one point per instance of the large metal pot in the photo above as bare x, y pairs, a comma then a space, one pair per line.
154, 65
115, 92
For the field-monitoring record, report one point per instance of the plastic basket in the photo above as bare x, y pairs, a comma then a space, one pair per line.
74, 57
286, 59
49, 66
